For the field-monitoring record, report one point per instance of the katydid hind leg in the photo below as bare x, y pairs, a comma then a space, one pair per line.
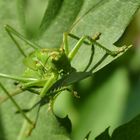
95, 37
93, 41
108, 51
54, 95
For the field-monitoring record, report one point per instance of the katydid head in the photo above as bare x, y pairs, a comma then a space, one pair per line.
43, 62
35, 63
36, 59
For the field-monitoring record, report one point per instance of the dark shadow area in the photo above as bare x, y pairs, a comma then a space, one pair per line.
100, 77
133, 103
2, 133
50, 14
63, 12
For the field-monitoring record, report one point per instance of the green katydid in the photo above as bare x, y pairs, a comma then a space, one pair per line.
49, 71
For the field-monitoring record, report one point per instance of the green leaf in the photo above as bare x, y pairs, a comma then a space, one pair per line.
51, 127
103, 136
30, 14
60, 15
51, 12
95, 19
128, 131
105, 16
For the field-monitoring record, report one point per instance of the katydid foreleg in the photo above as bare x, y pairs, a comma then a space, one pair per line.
93, 41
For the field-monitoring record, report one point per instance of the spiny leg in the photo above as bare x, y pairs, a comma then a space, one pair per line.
48, 99
53, 95
79, 44
12, 32
77, 38
92, 41
17, 106
110, 52
65, 41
